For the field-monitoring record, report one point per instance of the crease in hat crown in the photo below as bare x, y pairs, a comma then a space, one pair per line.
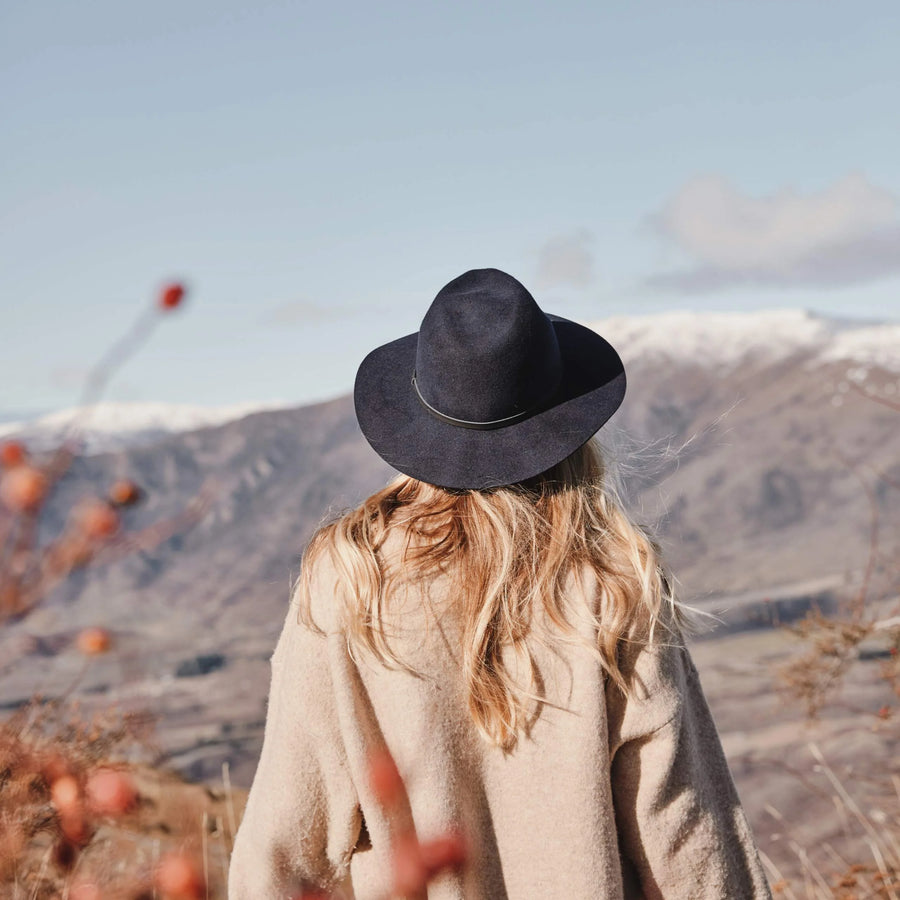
486, 354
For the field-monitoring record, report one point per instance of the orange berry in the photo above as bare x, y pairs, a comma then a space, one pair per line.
65, 793
445, 852
110, 793
75, 830
98, 519
124, 493
12, 453
171, 295
23, 488
179, 878
384, 778
94, 641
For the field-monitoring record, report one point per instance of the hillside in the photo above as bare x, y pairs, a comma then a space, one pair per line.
741, 441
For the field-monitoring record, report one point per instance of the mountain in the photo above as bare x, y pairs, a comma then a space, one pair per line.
745, 441
770, 422
726, 339
115, 425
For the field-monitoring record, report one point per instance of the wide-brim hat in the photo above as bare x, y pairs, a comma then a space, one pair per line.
490, 391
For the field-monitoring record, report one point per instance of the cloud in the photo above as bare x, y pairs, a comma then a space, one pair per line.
566, 259
300, 312
846, 234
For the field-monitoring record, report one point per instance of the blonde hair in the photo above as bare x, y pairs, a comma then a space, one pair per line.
509, 552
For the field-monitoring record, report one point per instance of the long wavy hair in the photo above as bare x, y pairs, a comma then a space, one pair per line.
509, 553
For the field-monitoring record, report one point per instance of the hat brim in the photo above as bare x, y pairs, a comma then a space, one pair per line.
412, 440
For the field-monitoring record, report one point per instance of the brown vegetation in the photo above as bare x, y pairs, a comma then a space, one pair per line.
87, 808
831, 647
78, 817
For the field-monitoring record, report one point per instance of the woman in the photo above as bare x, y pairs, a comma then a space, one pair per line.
495, 621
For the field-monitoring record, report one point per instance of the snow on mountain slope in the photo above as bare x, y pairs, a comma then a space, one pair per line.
113, 425
729, 338
709, 339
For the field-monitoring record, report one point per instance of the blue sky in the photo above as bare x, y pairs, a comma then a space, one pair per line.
316, 172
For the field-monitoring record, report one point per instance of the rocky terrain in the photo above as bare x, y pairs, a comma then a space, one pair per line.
746, 441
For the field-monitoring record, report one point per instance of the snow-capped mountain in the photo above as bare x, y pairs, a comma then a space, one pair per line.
113, 425
729, 338
721, 340
754, 445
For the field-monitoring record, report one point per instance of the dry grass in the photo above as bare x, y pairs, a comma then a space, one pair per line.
872, 867
59, 835
867, 864
79, 818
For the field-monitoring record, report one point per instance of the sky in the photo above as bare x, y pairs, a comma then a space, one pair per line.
315, 172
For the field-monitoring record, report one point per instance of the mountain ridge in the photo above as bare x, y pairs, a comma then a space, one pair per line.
749, 476
716, 338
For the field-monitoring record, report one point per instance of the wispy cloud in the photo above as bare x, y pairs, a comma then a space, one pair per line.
566, 260
845, 234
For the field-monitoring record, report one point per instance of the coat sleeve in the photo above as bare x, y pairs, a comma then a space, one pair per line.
301, 820
683, 834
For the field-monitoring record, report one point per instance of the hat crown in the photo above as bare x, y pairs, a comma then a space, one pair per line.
485, 350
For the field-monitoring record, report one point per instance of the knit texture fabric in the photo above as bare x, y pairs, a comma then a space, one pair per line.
607, 798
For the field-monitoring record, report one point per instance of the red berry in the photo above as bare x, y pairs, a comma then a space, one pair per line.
445, 852
124, 493
171, 295
98, 519
65, 793
178, 877
23, 488
94, 641
12, 453
110, 793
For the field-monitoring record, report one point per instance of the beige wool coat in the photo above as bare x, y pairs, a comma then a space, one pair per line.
607, 798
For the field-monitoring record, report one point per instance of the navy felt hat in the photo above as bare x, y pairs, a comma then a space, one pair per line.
490, 391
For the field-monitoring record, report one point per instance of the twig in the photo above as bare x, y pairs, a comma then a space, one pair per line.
226, 855
204, 825
229, 804
96, 381
42, 872
882, 868
817, 876
875, 398
858, 604
835, 781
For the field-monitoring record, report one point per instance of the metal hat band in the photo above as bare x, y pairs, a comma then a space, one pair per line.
481, 426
